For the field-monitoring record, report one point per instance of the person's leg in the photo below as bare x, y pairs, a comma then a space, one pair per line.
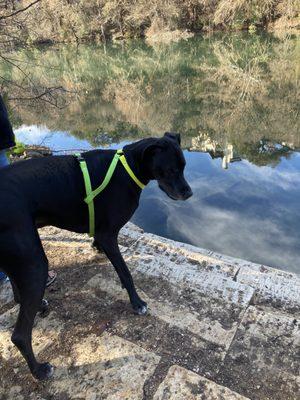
3, 162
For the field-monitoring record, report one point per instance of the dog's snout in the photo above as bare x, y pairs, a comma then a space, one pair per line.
187, 193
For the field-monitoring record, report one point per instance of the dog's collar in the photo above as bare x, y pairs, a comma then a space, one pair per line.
91, 194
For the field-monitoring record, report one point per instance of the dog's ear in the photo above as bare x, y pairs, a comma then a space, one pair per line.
154, 146
173, 136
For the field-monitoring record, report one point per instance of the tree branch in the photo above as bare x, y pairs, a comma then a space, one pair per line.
19, 11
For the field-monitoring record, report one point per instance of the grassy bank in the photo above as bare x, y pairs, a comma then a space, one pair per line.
39, 21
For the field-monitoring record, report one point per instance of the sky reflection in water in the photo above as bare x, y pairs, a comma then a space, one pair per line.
246, 211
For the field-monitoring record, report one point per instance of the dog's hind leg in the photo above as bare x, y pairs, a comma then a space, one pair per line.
109, 244
44, 306
27, 267
31, 288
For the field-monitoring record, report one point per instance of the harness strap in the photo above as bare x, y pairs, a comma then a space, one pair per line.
88, 189
91, 194
129, 170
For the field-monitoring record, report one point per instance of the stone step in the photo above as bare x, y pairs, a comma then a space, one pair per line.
263, 361
181, 384
176, 263
102, 367
272, 287
95, 367
153, 245
182, 324
213, 321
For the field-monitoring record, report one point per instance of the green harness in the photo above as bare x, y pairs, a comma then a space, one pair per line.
91, 194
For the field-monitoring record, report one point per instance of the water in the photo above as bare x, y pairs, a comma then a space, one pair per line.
235, 100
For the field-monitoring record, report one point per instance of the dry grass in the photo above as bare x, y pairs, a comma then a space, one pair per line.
158, 32
81, 20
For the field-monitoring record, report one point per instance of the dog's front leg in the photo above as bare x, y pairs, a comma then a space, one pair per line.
109, 244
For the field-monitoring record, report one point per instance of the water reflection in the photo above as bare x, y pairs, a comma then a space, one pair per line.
247, 211
235, 89
264, 152
235, 99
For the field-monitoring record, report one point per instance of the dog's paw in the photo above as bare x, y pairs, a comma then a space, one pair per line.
43, 372
140, 308
44, 309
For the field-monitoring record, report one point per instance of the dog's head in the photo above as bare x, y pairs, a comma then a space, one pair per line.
166, 163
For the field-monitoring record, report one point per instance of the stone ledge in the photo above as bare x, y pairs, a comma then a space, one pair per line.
162, 258
215, 272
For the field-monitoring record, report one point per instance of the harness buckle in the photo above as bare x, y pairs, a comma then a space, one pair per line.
79, 157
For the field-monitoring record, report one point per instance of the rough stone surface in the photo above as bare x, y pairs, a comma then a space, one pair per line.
279, 289
176, 332
44, 333
107, 367
181, 384
190, 269
264, 359
6, 294
217, 327
210, 319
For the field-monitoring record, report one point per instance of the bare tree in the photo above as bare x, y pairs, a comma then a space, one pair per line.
13, 16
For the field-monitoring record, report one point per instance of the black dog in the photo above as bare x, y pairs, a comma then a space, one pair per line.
50, 191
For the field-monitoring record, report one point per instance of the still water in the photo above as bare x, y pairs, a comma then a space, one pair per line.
234, 98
